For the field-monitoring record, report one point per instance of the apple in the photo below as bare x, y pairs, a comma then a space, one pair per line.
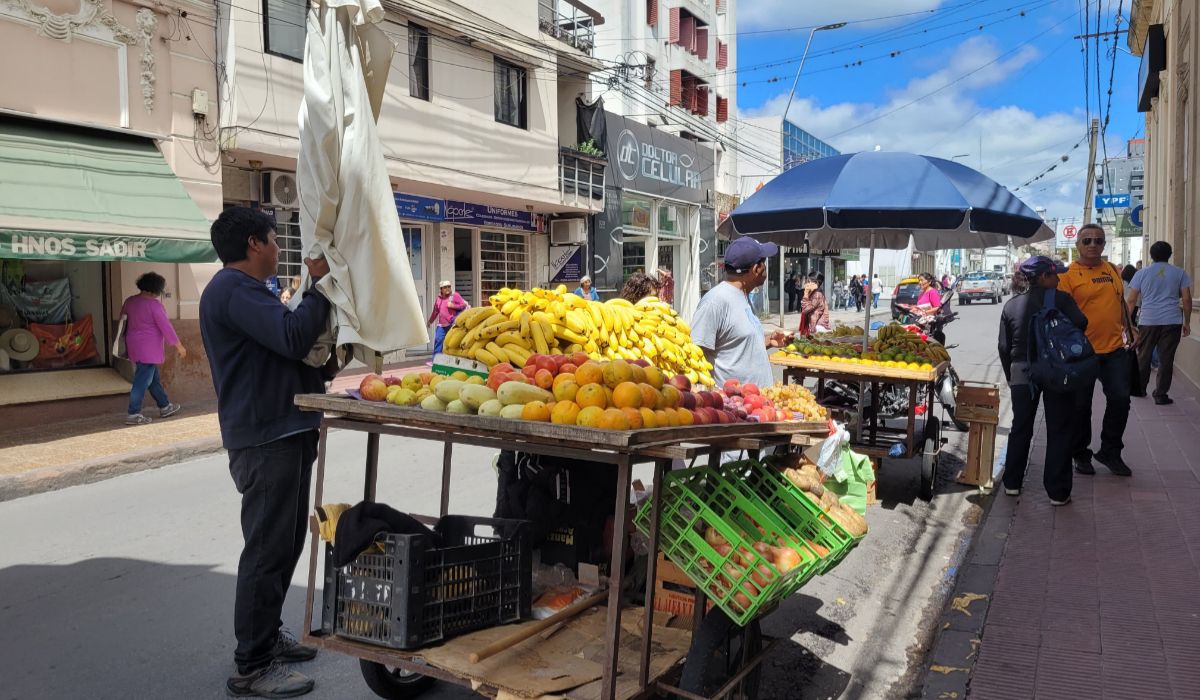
702, 399
578, 358
732, 387
501, 367
687, 400
373, 388
559, 361
639, 362
546, 362
718, 401
568, 368
725, 417
393, 380
530, 369
680, 382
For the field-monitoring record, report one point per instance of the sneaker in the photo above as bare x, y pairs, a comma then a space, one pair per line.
289, 651
1115, 464
273, 681
136, 419
169, 410
1063, 502
1084, 466
1012, 492
1163, 400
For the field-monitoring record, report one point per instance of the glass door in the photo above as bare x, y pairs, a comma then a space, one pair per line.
414, 246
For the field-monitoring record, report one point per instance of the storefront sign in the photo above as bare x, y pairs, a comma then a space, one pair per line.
414, 206
36, 245
654, 162
484, 215
566, 263
707, 255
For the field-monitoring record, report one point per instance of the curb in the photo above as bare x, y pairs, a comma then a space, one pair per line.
90, 471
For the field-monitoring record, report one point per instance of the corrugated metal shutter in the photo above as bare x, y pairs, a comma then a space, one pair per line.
676, 87
722, 55
689, 93
687, 33
702, 100
702, 42
722, 109
652, 13
674, 22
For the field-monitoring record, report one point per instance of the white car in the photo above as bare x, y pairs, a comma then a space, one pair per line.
980, 286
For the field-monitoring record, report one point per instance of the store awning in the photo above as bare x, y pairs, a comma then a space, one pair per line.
83, 194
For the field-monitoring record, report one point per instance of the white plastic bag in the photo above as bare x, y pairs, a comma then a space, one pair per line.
829, 459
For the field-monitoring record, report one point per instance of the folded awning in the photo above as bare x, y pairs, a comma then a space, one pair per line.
71, 193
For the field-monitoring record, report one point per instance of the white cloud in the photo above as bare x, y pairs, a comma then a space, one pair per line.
1015, 144
756, 15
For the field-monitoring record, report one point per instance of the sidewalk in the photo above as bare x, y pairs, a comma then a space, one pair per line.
1096, 599
849, 317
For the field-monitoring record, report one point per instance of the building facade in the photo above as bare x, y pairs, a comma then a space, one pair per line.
1121, 175
1166, 35
478, 127
110, 168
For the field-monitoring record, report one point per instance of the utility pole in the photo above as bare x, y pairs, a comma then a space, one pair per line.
1091, 171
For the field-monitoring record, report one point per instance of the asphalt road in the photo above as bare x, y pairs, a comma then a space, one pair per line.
124, 588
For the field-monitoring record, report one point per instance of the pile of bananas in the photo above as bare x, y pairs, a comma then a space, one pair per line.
895, 342
555, 322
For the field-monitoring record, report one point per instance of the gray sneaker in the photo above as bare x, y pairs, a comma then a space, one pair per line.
273, 681
136, 419
169, 410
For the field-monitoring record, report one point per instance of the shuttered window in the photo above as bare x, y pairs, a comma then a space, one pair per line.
722, 109
687, 32
702, 42
722, 55
676, 97
674, 26
652, 13
702, 100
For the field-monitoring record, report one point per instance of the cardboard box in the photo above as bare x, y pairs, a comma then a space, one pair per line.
449, 364
981, 455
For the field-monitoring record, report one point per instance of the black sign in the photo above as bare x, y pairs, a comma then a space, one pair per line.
709, 274
605, 245
657, 163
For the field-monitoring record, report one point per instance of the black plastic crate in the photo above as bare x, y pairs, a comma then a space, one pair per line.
412, 594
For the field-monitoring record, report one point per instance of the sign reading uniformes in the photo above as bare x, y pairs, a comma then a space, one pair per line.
654, 162
486, 215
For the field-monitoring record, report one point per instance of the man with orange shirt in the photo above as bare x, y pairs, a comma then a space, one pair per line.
1096, 287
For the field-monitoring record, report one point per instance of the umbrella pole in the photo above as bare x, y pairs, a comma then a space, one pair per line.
862, 386
782, 323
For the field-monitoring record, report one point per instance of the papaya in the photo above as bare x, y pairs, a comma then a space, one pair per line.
520, 393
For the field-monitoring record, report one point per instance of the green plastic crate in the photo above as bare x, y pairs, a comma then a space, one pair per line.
695, 499
805, 517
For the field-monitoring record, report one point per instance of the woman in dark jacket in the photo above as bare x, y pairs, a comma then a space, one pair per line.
1041, 274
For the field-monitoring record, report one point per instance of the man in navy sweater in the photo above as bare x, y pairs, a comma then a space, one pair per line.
256, 348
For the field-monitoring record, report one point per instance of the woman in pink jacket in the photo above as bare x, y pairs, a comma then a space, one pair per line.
147, 332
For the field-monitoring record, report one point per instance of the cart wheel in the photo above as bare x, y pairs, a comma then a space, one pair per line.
719, 650
929, 457
394, 683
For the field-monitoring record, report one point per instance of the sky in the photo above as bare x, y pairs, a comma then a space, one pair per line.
999, 84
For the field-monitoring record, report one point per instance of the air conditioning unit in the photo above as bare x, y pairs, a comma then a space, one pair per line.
564, 231
279, 189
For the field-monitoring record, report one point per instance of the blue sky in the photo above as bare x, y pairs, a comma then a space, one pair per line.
980, 77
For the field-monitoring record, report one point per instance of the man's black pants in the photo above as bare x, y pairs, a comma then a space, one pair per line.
1165, 339
1116, 377
1057, 409
274, 482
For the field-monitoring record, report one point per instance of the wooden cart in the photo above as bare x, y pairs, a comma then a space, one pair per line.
920, 436
622, 449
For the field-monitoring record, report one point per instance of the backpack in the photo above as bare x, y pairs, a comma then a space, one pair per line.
1061, 358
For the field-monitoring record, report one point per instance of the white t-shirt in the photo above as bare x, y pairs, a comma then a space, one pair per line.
732, 337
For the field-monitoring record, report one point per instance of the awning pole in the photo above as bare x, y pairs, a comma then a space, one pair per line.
782, 255
862, 385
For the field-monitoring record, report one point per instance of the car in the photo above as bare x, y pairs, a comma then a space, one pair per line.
980, 286
906, 292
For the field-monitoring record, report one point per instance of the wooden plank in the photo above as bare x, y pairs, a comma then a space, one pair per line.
981, 454
567, 435
861, 370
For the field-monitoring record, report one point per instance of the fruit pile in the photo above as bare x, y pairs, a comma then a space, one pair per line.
896, 343
823, 348
809, 479
519, 324
768, 404
764, 564
796, 399
841, 330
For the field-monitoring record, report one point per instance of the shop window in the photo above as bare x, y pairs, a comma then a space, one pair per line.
503, 262
635, 214
670, 221
291, 258
510, 94
633, 257
59, 306
284, 28
418, 61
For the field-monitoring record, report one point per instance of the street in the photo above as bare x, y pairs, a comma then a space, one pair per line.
124, 588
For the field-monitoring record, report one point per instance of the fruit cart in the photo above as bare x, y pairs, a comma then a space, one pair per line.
631, 653
919, 436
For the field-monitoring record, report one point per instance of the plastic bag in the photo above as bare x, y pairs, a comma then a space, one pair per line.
829, 456
849, 481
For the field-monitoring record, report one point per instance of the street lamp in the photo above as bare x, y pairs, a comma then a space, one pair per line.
791, 95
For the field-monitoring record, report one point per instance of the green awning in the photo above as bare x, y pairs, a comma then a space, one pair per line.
84, 194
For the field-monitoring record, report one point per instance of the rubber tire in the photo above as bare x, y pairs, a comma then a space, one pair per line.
707, 650
388, 684
930, 458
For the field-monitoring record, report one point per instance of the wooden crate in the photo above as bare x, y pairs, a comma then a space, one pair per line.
981, 454
977, 402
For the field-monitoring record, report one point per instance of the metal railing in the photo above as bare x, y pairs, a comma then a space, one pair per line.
568, 22
581, 179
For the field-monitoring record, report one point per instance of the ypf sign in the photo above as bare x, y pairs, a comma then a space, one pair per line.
1066, 235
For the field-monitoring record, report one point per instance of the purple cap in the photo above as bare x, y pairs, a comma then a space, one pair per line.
744, 252
1040, 265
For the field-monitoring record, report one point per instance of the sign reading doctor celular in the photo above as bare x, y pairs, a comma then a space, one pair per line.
654, 162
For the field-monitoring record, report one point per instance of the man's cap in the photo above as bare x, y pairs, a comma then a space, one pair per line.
1040, 265
744, 252
445, 283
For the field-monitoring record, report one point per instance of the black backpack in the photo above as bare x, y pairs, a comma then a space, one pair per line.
1061, 358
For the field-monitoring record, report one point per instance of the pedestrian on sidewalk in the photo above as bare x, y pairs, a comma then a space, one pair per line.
585, 290
793, 294
147, 331
1096, 287
1015, 346
814, 309
876, 289
856, 292
1165, 295
256, 349
446, 307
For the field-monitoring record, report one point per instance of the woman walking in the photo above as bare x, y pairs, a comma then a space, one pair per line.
855, 289
147, 332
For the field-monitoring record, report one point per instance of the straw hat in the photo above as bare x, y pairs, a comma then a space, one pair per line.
20, 344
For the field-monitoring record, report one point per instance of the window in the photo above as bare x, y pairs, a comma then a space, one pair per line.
633, 257
510, 94
283, 27
670, 219
287, 228
418, 61
503, 262
652, 13
635, 214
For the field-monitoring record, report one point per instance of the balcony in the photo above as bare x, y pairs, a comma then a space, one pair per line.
581, 179
571, 22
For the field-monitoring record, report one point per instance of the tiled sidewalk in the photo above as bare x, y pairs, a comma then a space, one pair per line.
1101, 598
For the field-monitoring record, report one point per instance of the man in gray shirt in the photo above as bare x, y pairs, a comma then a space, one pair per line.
726, 327
1165, 292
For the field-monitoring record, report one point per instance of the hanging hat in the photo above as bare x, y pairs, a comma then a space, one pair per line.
20, 344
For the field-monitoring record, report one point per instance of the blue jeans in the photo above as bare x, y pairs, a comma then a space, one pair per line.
439, 336
875, 300
146, 376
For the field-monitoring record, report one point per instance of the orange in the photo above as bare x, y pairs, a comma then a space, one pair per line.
672, 417
544, 378
685, 416
564, 377
634, 416
565, 391
662, 418
650, 395
589, 373
589, 416
564, 412
614, 419
649, 419
627, 395
670, 396
591, 395
536, 411
654, 377
616, 372
608, 392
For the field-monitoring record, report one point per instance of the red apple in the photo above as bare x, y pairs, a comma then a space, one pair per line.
732, 387
718, 401
546, 362
559, 361
578, 358
500, 368
725, 417
530, 369
373, 388
687, 400
680, 382
568, 367
391, 381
